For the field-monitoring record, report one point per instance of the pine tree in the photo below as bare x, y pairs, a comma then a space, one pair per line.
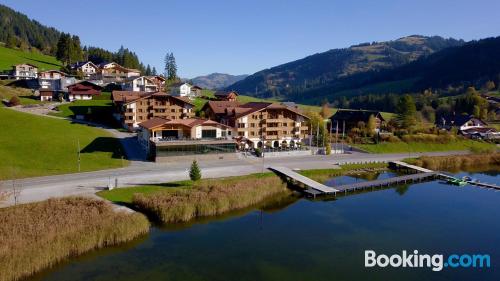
153, 72
172, 75
148, 70
62, 47
195, 172
407, 112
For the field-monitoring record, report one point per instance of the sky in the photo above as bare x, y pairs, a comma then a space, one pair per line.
243, 37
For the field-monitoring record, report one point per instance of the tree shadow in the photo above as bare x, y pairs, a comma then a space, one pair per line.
44, 62
105, 144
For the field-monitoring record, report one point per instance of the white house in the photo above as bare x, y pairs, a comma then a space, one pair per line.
140, 84
182, 89
24, 71
88, 68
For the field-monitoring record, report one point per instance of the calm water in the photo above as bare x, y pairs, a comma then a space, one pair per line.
314, 240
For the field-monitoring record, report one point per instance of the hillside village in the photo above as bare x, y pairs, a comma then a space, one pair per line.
163, 114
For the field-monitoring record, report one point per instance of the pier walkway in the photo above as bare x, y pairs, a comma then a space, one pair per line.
318, 188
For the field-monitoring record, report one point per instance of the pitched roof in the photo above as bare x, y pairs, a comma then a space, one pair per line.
224, 93
355, 115
132, 96
85, 82
219, 107
188, 122
53, 70
178, 84
459, 120
80, 64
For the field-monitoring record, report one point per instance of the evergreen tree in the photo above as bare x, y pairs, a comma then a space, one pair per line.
153, 72
407, 112
194, 171
170, 67
148, 70
11, 41
62, 47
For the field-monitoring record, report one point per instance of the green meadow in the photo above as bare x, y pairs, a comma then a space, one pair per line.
33, 145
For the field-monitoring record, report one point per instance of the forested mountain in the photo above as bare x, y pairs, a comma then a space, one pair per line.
216, 81
471, 64
19, 31
294, 78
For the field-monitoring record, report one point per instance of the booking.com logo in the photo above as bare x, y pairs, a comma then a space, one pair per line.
436, 262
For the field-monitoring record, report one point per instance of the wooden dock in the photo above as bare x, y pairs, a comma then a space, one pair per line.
314, 186
387, 182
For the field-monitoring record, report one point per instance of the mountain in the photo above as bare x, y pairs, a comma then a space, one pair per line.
470, 64
216, 81
294, 78
18, 31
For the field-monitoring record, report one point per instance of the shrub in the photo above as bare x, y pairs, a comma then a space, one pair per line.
209, 197
14, 101
194, 172
328, 149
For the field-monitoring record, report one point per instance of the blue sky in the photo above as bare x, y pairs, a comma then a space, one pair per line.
242, 37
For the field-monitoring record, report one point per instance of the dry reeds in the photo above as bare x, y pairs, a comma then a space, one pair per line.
457, 162
209, 198
38, 235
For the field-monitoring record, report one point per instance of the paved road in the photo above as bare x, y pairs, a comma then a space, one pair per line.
86, 184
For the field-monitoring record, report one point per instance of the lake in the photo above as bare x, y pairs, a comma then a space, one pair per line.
300, 239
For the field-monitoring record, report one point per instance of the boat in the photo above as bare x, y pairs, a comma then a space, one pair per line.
458, 182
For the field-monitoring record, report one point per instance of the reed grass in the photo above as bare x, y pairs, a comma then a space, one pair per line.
457, 162
209, 197
37, 236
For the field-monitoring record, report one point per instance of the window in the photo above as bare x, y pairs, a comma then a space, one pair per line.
241, 125
172, 110
252, 133
285, 132
252, 125
223, 133
241, 134
208, 133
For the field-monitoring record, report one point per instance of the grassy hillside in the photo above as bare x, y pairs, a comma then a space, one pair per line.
9, 57
37, 146
25, 95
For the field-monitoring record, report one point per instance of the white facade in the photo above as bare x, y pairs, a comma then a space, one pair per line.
88, 69
183, 90
142, 84
25, 71
73, 97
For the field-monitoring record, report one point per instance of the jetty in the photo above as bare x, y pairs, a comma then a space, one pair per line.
418, 174
314, 187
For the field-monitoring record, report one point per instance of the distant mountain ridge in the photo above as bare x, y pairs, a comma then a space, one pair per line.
217, 81
291, 79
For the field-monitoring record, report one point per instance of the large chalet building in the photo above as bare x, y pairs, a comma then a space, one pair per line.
261, 124
134, 107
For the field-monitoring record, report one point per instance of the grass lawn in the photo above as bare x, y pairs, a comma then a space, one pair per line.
9, 57
403, 147
99, 110
25, 95
36, 146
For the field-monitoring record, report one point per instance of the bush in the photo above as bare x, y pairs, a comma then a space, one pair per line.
258, 152
194, 172
14, 101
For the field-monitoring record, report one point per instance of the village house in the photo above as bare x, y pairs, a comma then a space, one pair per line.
83, 90
24, 71
160, 81
50, 84
142, 84
136, 107
162, 137
226, 96
347, 119
261, 124
182, 89
88, 69
115, 73
468, 126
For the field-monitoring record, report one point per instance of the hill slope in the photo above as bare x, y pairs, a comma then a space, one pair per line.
9, 57
470, 64
317, 70
216, 81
